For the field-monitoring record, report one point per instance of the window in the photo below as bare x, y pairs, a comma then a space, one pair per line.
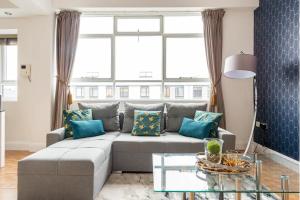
179, 91
197, 91
93, 92
8, 63
142, 57
80, 92
109, 91
167, 91
144, 91
124, 92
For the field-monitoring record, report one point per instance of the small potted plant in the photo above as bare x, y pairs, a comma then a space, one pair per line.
213, 150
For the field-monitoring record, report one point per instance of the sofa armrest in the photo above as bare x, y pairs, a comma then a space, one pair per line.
55, 136
228, 138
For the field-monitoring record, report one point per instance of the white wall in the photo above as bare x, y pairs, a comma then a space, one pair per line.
28, 119
238, 35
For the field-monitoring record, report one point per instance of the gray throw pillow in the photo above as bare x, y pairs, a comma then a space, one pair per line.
129, 114
177, 111
107, 112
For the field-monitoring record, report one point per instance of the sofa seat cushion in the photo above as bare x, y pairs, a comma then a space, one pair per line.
105, 145
81, 161
168, 142
63, 161
43, 162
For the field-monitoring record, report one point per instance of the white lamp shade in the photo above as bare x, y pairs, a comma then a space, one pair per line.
240, 66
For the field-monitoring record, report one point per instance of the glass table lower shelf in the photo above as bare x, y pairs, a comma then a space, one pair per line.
267, 180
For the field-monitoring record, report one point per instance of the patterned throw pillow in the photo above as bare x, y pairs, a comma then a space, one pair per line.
75, 115
209, 116
146, 123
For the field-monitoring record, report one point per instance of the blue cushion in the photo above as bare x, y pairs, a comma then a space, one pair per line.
195, 129
209, 116
87, 128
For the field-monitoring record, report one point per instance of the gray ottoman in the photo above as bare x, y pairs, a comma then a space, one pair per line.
77, 172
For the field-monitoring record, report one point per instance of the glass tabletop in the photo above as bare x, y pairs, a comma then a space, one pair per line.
178, 173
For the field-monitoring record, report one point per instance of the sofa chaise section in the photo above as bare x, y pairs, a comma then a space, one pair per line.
68, 169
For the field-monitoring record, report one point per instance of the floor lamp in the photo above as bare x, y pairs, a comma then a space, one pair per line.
243, 66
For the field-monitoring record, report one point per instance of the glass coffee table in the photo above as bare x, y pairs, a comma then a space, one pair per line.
268, 180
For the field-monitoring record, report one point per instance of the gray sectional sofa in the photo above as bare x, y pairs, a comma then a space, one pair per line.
77, 169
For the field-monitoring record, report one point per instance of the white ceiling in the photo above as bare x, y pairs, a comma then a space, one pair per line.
21, 8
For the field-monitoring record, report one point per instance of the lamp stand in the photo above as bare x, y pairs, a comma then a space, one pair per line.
254, 117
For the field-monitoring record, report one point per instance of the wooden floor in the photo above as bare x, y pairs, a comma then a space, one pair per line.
8, 175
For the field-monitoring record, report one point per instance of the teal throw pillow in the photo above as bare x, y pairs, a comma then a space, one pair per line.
87, 128
75, 115
195, 129
209, 116
146, 123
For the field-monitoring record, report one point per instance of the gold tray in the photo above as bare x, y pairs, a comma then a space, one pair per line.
231, 164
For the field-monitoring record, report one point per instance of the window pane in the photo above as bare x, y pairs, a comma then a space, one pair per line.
9, 92
142, 90
11, 62
185, 58
187, 90
183, 24
93, 58
96, 25
138, 58
138, 25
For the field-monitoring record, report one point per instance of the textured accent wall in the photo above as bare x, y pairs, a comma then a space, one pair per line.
276, 32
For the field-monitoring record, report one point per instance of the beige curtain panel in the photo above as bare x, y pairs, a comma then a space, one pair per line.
67, 31
213, 37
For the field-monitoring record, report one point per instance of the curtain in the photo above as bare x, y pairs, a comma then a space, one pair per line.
67, 30
213, 35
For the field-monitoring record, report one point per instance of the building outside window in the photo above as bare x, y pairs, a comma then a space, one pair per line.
124, 92
197, 91
179, 91
79, 92
94, 92
135, 52
8, 66
144, 91
109, 91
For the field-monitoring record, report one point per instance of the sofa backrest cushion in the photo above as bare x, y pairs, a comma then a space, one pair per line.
129, 114
177, 111
107, 112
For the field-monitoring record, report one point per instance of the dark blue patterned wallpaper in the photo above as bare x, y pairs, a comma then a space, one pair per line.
276, 27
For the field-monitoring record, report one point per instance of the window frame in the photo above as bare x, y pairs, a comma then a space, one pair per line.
161, 33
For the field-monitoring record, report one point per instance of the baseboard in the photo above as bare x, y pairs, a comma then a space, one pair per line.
278, 157
19, 145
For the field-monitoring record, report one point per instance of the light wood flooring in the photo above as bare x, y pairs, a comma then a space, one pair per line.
8, 175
